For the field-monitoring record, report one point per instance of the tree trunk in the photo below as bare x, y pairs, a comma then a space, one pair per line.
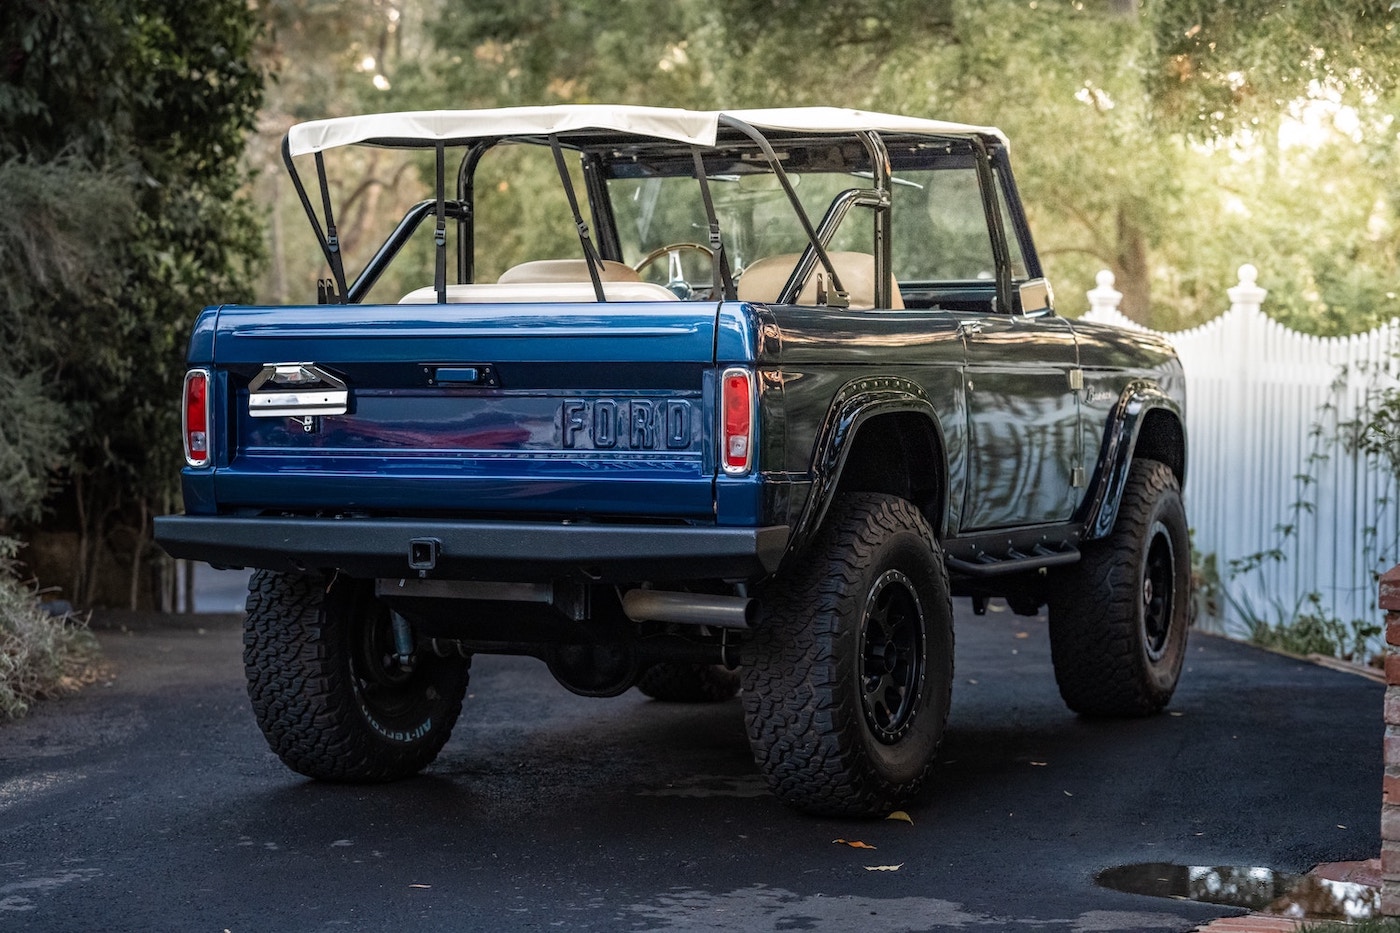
138, 551
77, 591
279, 262
1131, 269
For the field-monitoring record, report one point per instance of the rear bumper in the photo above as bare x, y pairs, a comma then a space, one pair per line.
476, 550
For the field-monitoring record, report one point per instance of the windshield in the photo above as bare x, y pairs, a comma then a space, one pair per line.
940, 231
754, 214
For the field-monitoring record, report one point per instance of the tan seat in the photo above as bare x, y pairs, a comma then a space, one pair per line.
764, 279
519, 292
548, 271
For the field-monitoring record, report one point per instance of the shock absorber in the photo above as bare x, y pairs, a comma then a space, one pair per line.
403, 642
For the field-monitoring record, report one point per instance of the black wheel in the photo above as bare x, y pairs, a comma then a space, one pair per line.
326, 690
848, 680
689, 683
1118, 618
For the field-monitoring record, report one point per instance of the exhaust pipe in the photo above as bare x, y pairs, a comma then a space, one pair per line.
690, 608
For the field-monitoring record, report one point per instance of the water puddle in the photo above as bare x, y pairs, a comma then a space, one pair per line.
1299, 897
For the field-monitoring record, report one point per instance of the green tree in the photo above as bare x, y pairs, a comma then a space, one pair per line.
1159, 140
332, 58
1296, 104
59, 238
1154, 142
1226, 65
507, 52
151, 99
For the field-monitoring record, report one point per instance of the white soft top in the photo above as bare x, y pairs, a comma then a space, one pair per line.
696, 127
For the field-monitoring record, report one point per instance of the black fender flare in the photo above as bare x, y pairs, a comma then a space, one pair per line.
852, 406
1138, 400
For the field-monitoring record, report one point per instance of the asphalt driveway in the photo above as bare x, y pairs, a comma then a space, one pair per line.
150, 802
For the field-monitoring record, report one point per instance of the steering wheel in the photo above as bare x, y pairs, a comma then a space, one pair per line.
676, 278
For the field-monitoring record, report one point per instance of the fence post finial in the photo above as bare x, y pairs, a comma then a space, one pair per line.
1104, 298
1247, 295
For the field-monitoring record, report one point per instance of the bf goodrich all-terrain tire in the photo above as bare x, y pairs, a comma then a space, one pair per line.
848, 680
1118, 618
330, 699
689, 683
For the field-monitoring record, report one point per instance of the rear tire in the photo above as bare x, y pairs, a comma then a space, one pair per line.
327, 695
689, 683
848, 681
1118, 618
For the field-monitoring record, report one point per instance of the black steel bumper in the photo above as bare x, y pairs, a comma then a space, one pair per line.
446, 549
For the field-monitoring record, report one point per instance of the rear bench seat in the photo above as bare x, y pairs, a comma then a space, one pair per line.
550, 280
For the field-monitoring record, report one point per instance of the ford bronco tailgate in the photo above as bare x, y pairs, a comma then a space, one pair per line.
466, 409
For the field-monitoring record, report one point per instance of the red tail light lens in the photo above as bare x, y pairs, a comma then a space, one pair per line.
196, 417
737, 405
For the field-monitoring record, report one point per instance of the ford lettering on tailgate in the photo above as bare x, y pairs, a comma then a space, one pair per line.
628, 424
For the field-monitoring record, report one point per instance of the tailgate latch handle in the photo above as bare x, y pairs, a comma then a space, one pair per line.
461, 374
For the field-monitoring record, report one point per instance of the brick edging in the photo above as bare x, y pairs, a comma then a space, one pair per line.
1389, 601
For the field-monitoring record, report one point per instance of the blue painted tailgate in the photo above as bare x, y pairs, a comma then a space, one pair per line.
544, 409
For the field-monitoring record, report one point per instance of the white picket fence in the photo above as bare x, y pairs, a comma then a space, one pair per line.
1255, 391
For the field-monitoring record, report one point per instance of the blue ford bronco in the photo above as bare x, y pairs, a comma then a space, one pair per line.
788, 382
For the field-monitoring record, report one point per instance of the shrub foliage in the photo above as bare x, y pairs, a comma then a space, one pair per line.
121, 127
41, 655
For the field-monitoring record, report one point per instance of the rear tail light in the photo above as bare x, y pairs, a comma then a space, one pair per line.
737, 407
196, 418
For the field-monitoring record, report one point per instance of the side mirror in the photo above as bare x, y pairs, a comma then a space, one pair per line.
1035, 295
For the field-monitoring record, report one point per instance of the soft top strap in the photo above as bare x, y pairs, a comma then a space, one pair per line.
719, 260
337, 263
590, 254
440, 232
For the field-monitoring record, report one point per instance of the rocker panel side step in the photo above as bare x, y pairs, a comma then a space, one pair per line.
992, 556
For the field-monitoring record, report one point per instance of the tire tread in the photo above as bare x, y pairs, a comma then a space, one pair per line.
301, 695
1099, 663
805, 740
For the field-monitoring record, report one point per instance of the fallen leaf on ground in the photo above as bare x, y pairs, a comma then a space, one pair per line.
1023, 634
853, 843
901, 815
884, 867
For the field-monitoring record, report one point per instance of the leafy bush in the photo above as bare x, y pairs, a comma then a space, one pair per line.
121, 127
1314, 630
41, 655
59, 238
